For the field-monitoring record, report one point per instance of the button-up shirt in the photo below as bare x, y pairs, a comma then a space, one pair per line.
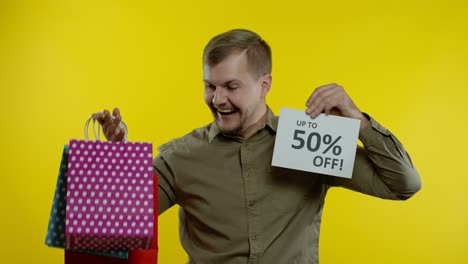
235, 208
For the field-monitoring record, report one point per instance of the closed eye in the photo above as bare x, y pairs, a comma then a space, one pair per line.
210, 86
232, 85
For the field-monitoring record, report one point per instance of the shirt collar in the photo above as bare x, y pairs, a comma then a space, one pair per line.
271, 122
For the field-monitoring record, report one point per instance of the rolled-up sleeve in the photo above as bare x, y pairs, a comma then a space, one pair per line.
166, 194
382, 168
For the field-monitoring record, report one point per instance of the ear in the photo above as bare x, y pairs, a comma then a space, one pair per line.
266, 84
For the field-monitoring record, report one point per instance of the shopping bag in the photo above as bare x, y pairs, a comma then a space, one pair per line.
74, 257
142, 256
110, 201
55, 236
139, 256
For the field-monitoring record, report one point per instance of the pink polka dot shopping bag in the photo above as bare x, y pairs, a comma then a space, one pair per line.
104, 202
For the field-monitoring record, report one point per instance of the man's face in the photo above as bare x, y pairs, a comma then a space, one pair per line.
235, 97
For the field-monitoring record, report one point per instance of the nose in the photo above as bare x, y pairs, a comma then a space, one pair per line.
219, 97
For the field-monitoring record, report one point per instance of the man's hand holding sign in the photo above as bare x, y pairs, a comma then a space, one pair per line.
333, 99
324, 144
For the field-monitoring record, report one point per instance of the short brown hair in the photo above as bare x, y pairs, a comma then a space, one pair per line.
237, 40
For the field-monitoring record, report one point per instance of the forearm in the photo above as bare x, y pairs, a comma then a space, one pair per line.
166, 194
382, 168
164, 202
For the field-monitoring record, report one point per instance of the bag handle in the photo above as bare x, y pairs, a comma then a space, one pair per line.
97, 134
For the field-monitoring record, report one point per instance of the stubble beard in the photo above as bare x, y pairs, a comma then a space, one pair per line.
236, 131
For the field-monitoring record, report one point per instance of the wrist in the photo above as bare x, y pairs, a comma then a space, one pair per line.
364, 120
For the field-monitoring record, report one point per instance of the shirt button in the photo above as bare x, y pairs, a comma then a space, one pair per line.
251, 203
254, 237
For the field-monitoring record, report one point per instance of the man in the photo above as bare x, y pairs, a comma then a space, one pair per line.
234, 206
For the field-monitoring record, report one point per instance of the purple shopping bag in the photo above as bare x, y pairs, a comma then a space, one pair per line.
55, 236
110, 201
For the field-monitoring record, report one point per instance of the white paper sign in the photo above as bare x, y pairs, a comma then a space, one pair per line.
326, 144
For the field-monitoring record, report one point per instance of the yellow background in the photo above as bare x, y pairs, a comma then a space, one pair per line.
403, 62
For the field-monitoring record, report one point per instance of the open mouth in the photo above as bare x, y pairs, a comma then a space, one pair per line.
226, 112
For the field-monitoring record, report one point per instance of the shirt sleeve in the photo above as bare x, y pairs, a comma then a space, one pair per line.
382, 168
166, 194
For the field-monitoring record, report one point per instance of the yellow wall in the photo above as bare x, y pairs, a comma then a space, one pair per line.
403, 62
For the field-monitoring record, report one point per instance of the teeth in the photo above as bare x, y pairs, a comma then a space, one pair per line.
225, 110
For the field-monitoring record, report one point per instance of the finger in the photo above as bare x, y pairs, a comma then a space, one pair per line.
339, 103
108, 127
120, 135
112, 132
318, 109
99, 116
322, 96
328, 108
112, 137
107, 116
117, 129
117, 136
334, 101
116, 121
335, 111
318, 91
116, 114
120, 132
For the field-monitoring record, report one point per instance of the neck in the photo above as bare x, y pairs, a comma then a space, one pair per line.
257, 125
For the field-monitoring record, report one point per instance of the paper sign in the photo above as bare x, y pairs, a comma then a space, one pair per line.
326, 144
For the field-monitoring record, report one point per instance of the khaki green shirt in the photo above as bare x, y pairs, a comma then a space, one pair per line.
235, 208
